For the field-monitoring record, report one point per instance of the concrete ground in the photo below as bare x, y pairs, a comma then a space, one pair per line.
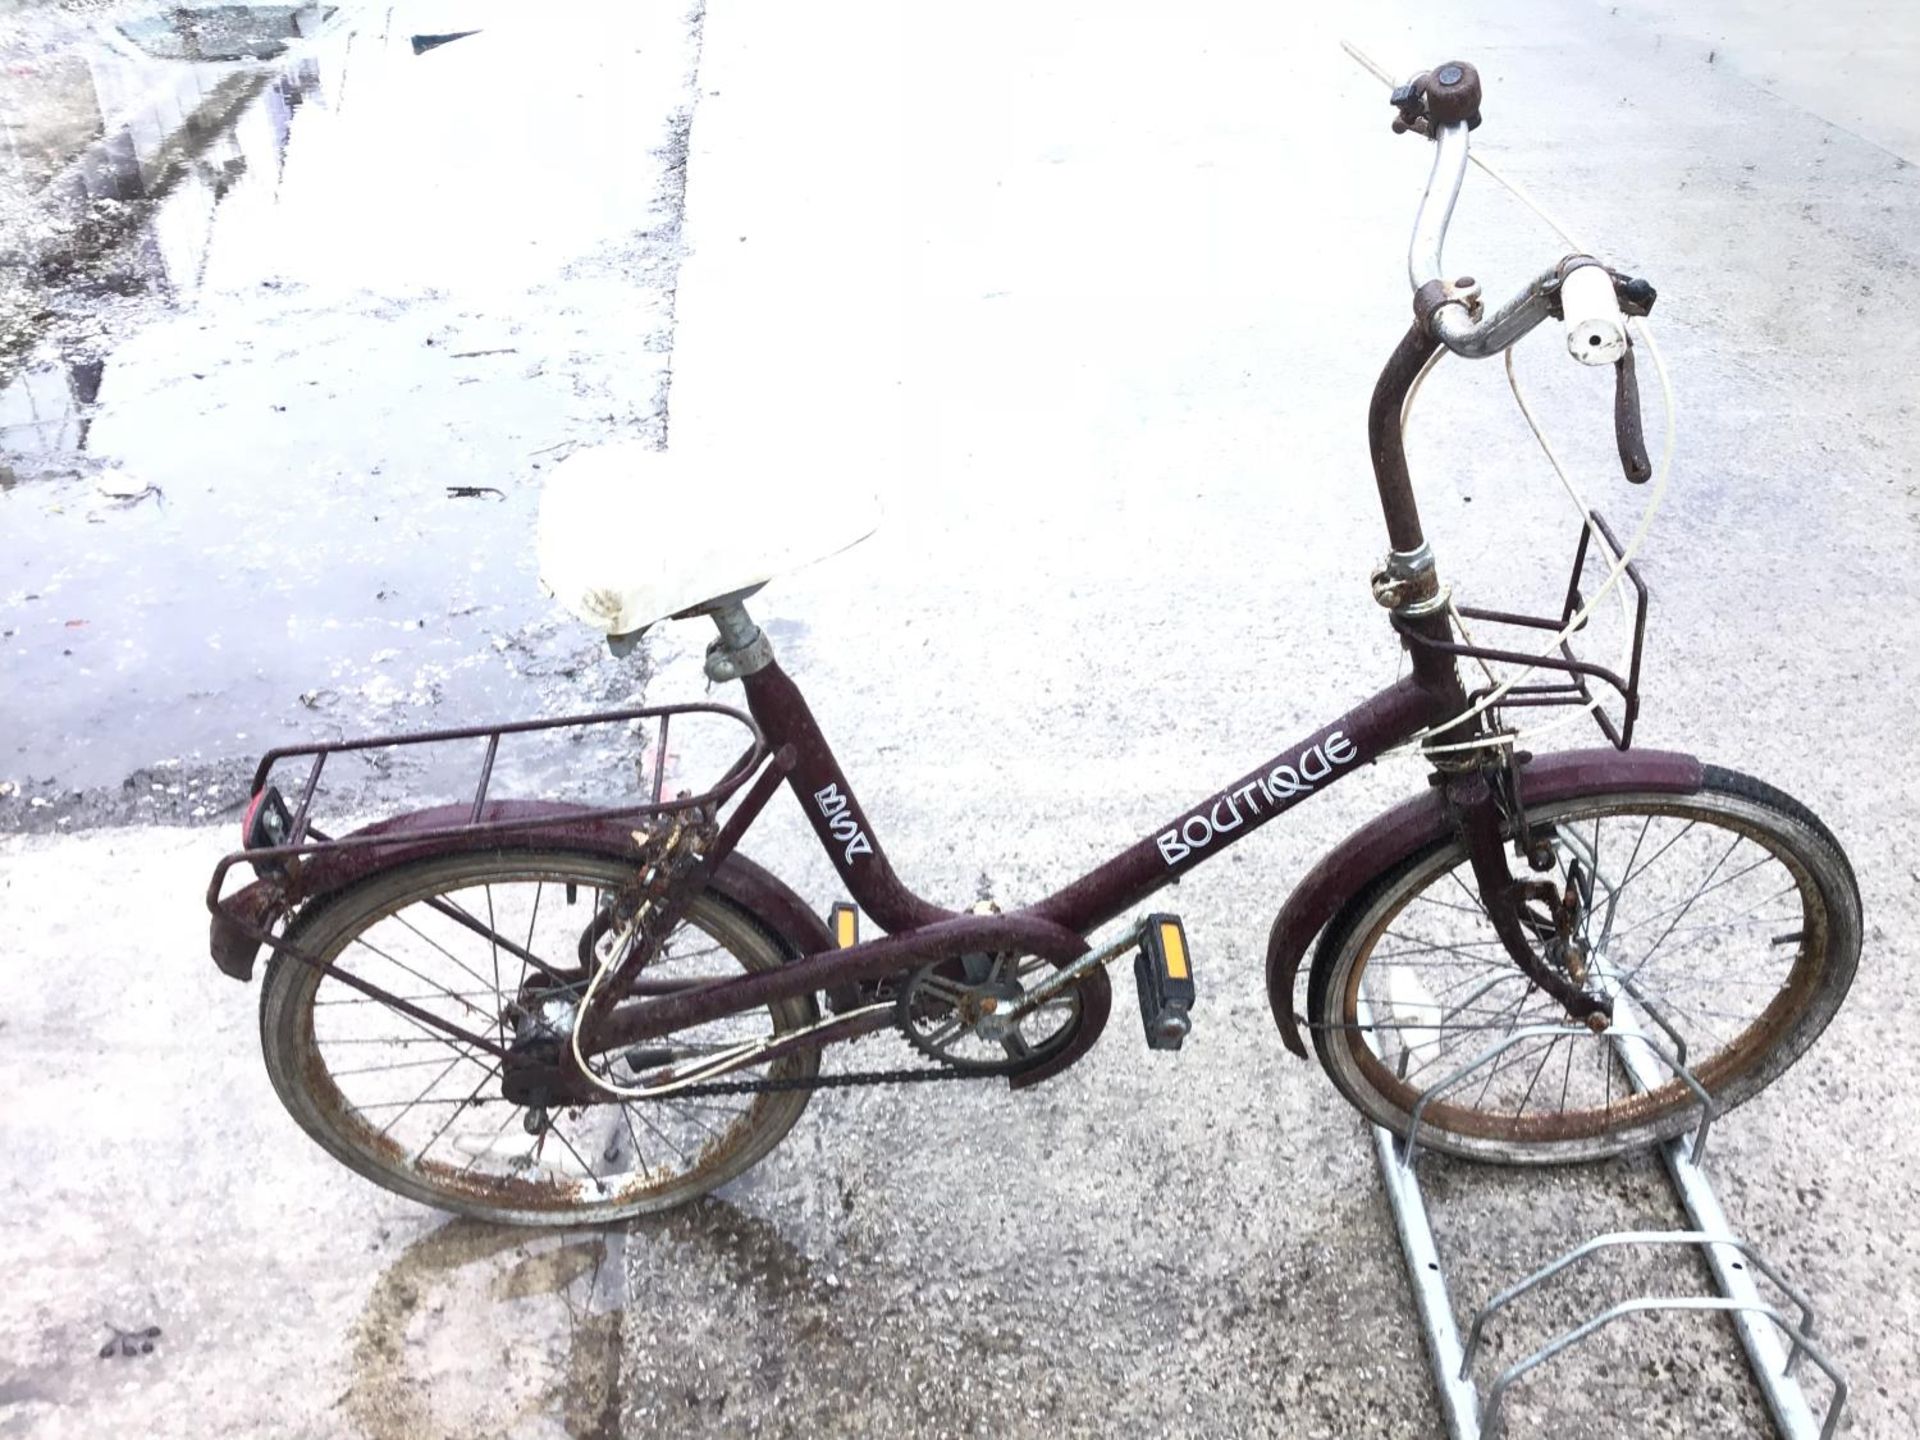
1095, 295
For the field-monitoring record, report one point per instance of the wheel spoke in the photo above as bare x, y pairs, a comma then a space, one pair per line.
663, 1138
1665, 887
1652, 860
427, 1033
383, 1069
560, 1135
513, 1113
1479, 905
1424, 899
493, 944
520, 984
392, 1090
412, 999
400, 916
626, 1116
1685, 909
1423, 946
1534, 1079
687, 1113
1778, 895
442, 990
445, 1071
454, 1114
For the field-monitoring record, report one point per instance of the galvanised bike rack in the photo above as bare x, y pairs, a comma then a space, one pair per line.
1774, 1343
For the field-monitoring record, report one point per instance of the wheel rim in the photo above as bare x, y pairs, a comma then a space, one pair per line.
425, 1110
1699, 917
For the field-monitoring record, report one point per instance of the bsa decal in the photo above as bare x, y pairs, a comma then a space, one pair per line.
842, 826
1286, 782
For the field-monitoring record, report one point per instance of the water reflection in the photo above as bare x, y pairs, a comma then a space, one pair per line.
116, 160
225, 32
47, 411
484, 1330
184, 152
327, 303
189, 145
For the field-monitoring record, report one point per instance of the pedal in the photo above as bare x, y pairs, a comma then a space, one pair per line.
1166, 982
844, 921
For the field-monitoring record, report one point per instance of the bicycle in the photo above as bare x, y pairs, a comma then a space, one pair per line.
614, 1010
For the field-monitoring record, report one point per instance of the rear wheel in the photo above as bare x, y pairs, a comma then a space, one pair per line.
422, 1113
1725, 924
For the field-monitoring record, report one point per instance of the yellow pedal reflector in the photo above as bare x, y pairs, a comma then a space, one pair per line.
1174, 943
845, 924
1165, 976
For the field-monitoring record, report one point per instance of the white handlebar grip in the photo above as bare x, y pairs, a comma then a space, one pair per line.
1596, 331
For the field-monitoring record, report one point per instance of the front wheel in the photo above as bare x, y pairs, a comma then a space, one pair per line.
422, 1113
1724, 924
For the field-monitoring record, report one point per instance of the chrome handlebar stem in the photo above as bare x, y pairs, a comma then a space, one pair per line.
1436, 204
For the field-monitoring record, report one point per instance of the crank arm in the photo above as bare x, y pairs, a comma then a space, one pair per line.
1002, 1022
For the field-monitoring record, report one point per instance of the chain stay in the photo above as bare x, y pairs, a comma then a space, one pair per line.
851, 1080
653, 888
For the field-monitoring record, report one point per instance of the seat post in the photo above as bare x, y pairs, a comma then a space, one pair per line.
742, 647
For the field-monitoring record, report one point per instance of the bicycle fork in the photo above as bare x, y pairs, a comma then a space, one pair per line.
1485, 803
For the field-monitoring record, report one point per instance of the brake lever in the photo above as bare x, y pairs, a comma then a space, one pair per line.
1636, 297
1628, 433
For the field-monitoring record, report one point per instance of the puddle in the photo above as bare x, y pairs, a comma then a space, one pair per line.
134, 208
47, 411
225, 32
486, 1331
92, 131
367, 296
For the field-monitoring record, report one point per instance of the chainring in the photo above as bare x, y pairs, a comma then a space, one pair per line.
941, 1006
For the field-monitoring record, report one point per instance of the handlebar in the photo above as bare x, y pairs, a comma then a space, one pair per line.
1443, 104
1596, 330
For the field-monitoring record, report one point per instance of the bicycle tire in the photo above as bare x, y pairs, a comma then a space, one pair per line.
309, 1080
1412, 1051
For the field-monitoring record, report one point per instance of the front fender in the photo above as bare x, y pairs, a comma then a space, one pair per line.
1413, 825
566, 827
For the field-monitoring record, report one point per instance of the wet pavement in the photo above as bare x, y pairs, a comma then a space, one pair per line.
1131, 307
1112, 314
283, 489
303, 334
152, 1180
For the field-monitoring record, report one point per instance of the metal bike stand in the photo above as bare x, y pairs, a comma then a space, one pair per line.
1773, 1343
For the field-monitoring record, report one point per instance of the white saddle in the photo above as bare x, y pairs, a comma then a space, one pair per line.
630, 535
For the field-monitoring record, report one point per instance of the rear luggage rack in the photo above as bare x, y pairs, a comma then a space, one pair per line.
298, 841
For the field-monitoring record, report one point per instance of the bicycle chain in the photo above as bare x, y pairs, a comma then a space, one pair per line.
849, 1081
856, 1079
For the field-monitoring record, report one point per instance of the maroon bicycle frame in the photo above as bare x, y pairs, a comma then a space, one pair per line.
790, 749
1197, 834
1053, 928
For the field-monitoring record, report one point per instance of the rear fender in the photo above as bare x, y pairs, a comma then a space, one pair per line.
571, 827
1413, 825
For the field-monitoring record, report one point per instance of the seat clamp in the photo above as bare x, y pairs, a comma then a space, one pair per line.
726, 662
